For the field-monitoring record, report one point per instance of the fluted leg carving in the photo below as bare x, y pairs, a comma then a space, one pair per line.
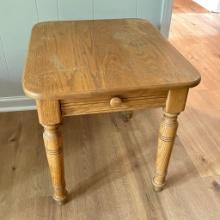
166, 139
54, 151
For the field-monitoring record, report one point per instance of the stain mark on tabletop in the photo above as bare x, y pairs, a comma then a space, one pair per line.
56, 62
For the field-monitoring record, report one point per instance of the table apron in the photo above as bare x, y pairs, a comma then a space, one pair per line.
101, 103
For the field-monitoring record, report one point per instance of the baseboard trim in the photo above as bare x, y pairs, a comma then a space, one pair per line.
16, 103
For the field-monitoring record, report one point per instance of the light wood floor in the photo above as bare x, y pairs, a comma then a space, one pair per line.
109, 163
197, 36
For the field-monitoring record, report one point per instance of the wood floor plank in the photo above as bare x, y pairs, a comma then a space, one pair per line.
24, 179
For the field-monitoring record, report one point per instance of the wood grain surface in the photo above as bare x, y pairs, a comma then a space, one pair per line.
74, 58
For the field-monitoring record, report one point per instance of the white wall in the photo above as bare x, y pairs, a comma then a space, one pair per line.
211, 5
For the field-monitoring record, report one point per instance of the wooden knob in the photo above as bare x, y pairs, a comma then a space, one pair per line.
115, 102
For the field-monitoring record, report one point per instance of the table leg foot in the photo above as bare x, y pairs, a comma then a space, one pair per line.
60, 200
157, 187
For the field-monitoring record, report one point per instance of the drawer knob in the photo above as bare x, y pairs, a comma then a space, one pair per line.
115, 102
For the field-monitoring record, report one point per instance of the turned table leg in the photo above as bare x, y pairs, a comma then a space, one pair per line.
54, 151
175, 104
166, 138
50, 117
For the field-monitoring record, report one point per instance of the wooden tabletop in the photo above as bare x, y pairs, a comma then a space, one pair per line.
76, 58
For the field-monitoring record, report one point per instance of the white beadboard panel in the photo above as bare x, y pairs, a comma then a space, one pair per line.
47, 9
4, 89
16, 20
115, 9
3, 64
150, 10
75, 9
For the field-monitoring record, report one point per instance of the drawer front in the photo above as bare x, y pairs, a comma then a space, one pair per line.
113, 102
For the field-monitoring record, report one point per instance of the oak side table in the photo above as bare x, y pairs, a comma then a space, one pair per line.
96, 66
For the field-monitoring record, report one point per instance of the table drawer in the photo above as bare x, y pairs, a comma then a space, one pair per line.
113, 102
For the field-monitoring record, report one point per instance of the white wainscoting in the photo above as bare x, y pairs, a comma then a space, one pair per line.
18, 16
